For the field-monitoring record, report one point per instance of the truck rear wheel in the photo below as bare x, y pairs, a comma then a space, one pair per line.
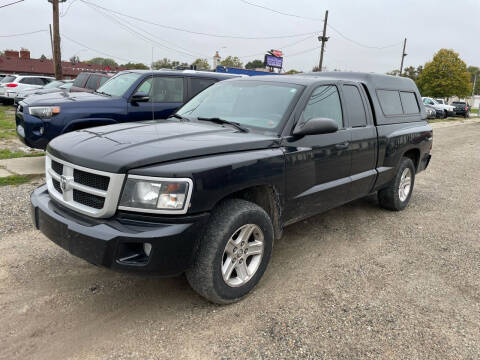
397, 194
234, 252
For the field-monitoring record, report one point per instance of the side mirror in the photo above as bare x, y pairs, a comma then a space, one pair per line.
140, 96
316, 126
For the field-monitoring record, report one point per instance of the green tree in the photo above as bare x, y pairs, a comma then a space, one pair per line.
75, 59
446, 75
201, 64
255, 64
475, 71
168, 64
103, 62
292, 72
412, 72
232, 61
131, 65
43, 57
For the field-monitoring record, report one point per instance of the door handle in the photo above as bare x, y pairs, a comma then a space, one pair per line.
343, 145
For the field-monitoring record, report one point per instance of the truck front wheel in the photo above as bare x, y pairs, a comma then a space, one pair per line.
234, 252
397, 194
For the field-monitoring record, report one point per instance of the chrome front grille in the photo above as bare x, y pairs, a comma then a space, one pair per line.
91, 192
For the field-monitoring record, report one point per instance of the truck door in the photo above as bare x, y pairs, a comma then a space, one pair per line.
166, 94
363, 143
318, 166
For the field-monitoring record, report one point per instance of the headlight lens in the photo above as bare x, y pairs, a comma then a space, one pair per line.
159, 195
44, 111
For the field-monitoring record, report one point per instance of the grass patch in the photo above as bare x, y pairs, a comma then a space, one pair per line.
474, 111
7, 154
7, 123
16, 179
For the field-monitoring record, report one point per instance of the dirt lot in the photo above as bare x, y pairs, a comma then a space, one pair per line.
356, 282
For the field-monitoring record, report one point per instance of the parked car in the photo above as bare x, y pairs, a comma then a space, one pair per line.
11, 85
447, 110
208, 190
431, 112
52, 87
89, 81
2, 76
461, 108
129, 96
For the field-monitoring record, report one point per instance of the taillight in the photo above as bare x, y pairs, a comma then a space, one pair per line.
11, 85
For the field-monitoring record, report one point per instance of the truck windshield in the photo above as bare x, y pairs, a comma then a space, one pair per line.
259, 104
119, 84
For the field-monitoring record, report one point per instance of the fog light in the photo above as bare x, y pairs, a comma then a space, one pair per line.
147, 248
41, 130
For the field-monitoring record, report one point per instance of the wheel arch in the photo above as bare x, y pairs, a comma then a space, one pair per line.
414, 155
268, 198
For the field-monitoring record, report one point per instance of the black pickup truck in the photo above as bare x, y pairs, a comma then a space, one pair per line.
207, 191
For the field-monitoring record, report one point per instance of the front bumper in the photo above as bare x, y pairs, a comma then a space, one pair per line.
117, 243
31, 130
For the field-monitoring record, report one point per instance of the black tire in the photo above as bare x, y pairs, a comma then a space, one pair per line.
389, 197
467, 114
445, 115
205, 276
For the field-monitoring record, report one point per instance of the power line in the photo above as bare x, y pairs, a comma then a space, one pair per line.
27, 33
13, 3
64, 13
95, 50
198, 32
134, 30
360, 44
279, 12
321, 20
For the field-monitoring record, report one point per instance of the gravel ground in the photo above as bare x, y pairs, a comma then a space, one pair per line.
357, 282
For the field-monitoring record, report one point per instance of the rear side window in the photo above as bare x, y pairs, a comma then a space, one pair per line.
80, 79
409, 102
32, 81
390, 102
92, 82
199, 84
324, 103
354, 105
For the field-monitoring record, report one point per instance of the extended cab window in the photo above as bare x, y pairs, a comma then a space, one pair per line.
409, 102
355, 106
390, 102
200, 84
163, 89
324, 103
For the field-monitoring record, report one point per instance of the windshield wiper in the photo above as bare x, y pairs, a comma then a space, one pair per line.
176, 116
217, 120
103, 93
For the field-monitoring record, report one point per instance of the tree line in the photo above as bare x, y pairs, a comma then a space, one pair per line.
446, 75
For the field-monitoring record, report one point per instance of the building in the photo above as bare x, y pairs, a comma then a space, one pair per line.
20, 62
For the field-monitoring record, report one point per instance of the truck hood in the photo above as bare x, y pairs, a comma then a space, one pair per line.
64, 98
120, 148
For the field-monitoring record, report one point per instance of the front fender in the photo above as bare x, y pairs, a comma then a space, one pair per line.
218, 176
86, 123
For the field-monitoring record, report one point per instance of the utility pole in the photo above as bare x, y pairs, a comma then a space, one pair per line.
403, 55
474, 83
323, 39
57, 57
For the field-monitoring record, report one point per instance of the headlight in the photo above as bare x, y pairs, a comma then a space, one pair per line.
44, 111
156, 195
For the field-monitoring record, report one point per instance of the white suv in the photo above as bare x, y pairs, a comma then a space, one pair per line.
11, 85
448, 110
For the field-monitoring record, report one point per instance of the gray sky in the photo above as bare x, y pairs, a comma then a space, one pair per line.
428, 24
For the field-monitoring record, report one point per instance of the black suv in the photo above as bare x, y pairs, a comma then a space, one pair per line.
207, 191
